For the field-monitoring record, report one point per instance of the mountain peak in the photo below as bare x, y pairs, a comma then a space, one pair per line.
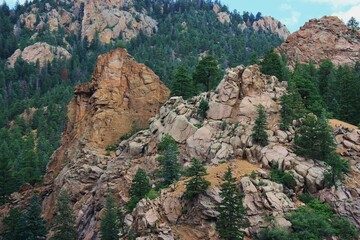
324, 38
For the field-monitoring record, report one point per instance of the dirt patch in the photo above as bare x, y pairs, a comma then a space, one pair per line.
334, 123
215, 173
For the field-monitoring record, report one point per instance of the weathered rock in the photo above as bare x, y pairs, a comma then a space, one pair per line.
41, 52
269, 24
315, 179
325, 38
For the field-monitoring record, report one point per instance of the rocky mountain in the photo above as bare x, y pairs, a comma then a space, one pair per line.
325, 38
122, 91
108, 19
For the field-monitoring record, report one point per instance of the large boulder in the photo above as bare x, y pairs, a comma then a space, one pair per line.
40, 51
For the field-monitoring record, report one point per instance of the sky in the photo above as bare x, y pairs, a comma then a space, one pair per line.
292, 13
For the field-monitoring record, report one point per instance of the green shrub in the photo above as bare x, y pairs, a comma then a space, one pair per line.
284, 178
203, 107
253, 175
152, 194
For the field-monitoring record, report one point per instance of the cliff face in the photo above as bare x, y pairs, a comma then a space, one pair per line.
122, 94
325, 38
108, 19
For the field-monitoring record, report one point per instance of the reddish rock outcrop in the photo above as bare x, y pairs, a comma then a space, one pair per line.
325, 38
122, 94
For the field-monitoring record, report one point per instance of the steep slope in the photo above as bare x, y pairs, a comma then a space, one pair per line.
222, 139
121, 92
325, 38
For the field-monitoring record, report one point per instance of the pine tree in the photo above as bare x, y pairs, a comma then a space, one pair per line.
313, 138
273, 65
109, 226
14, 224
64, 220
231, 218
259, 135
291, 107
169, 166
35, 226
207, 72
182, 84
197, 184
140, 186
353, 24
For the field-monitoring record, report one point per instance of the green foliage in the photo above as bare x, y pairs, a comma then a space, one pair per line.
64, 220
305, 197
338, 166
353, 24
140, 186
35, 225
203, 107
313, 138
253, 174
314, 221
282, 177
197, 183
14, 224
292, 107
259, 134
273, 65
182, 84
169, 166
273, 234
207, 72
152, 194
231, 220
175, 44
112, 222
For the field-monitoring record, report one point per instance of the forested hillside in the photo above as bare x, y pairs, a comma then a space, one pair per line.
33, 98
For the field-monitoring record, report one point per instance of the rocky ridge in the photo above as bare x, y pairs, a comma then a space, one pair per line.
108, 19
39, 51
265, 24
325, 38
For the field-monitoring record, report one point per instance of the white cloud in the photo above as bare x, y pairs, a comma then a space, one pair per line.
292, 20
285, 7
336, 3
352, 12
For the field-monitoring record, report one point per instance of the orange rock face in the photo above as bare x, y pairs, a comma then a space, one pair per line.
325, 38
122, 93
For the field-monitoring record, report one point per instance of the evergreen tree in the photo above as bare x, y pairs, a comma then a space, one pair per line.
313, 138
273, 65
259, 134
140, 186
207, 72
64, 220
169, 166
35, 226
197, 184
231, 218
182, 84
353, 24
14, 224
291, 107
109, 226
